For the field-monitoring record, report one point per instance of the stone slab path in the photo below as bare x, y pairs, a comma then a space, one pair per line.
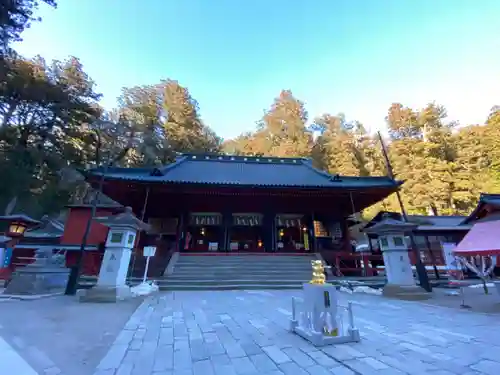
11, 362
246, 332
59, 335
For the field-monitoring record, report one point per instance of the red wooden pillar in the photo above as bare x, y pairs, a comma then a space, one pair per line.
366, 265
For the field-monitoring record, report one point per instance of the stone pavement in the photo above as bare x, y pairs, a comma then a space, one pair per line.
11, 362
246, 332
59, 335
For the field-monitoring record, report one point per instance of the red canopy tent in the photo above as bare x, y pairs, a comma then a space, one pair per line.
483, 239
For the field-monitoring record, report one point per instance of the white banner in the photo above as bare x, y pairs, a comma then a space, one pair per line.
450, 259
453, 264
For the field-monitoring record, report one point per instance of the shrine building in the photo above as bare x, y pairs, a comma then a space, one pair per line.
220, 204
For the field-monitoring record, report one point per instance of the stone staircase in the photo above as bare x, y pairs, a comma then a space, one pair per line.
238, 271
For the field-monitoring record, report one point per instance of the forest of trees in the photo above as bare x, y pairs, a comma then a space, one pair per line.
52, 124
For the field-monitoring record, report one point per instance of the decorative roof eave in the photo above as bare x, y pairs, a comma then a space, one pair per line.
385, 185
126, 219
20, 218
48, 228
439, 228
42, 235
484, 199
167, 175
389, 226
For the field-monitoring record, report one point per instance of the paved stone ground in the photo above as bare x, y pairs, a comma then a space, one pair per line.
474, 297
227, 333
59, 335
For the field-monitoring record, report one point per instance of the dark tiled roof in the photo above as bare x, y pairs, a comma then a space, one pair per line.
436, 220
492, 200
103, 201
424, 222
20, 217
243, 171
47, 228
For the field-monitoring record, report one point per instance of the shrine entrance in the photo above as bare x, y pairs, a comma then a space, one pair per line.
204, 232
246, 232
291, 233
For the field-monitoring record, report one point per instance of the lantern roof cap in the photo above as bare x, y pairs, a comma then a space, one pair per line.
126, 219
20, 218
390, 226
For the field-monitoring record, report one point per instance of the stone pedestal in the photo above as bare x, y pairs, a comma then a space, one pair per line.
315, 317
398, 270
46, 275
33, 280
112, 282
399, 273
111, 285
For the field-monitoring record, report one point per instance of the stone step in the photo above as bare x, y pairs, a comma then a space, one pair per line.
287, 281
255, 257
241, 269
248, 275
301, 262
250, 257
179, 288
238, 272
232, 254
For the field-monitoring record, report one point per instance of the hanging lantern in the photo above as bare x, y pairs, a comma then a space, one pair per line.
281, 233
259, 243
202, 231
17, 228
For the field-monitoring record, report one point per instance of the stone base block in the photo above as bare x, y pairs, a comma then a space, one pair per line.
410, 293
105, 294
32, 280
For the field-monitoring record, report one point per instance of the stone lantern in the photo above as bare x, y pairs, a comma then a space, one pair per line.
111, 284
18, 224
391, 238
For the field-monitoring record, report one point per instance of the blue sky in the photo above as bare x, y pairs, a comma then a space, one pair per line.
351, 56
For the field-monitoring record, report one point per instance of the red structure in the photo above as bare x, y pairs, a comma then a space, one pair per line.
16, 227
219, 205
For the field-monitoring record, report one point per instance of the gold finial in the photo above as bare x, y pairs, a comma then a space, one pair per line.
318, 274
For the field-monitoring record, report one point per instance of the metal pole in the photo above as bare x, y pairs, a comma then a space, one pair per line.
144, 278
421, 271
72, 285
143, 214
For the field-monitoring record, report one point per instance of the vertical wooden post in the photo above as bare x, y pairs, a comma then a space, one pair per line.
227, 223
433, 259
312, 232
182, 232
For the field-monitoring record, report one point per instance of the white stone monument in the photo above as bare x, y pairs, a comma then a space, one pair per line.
111, 284
316, 318
398, 269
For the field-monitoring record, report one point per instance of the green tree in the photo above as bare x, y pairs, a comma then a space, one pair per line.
335, 148
283, 129
15, 17
43, 110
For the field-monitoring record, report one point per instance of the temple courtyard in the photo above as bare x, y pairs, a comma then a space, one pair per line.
239, 332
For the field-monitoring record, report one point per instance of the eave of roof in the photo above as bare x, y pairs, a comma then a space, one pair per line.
425, 223
484, 199
20, 217
220, 170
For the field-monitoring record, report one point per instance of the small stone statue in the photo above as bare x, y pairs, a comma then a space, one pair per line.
46, 257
